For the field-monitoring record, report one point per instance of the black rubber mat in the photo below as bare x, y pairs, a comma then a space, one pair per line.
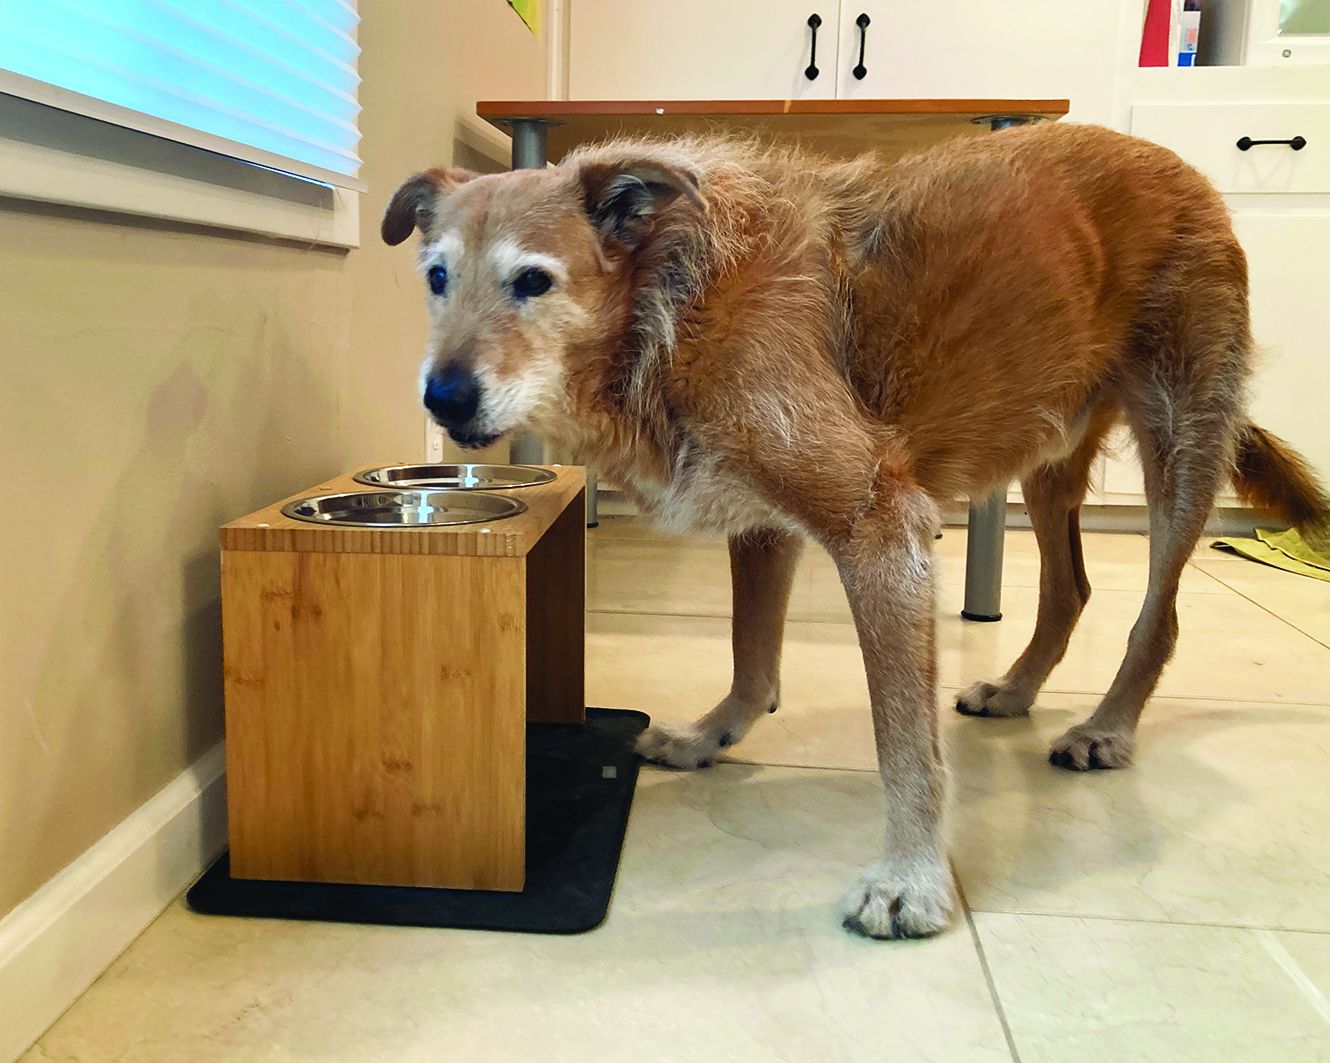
580, 782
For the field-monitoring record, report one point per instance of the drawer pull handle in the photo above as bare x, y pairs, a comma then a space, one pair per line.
862, 22
814, 21
1296, 143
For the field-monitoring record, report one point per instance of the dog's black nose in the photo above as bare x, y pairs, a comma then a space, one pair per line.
452, 395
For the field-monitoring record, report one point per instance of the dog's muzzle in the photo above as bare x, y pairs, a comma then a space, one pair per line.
453, 396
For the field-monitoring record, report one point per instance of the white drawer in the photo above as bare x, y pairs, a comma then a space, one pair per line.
1207, 135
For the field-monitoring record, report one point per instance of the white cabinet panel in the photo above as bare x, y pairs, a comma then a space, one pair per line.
1037, 49
1288, 254
1123, 481
1207, 136
700, 50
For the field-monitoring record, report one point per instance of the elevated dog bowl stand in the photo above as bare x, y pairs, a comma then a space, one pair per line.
545, 131
379, 682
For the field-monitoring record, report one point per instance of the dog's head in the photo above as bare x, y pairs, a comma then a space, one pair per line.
521, 271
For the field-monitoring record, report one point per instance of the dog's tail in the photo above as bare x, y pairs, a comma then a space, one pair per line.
1272, 476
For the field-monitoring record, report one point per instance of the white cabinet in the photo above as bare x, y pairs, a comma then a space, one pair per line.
1037, 49
759, 49
1208, 136
701, 49
1288, 257
1286, 238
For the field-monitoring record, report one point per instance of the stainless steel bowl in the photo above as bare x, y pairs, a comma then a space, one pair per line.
403, 509
456, 477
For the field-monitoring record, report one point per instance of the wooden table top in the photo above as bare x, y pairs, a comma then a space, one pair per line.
269, 529
835, 127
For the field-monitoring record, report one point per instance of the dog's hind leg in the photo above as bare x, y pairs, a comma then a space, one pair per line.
762, 566
1053, 494
1184, 411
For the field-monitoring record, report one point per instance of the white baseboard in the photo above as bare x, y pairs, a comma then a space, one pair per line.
54, 944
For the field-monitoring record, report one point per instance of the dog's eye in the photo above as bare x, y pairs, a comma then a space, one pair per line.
438, 279
531, 282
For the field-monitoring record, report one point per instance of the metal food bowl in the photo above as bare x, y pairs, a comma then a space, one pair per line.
403, 509
456, 477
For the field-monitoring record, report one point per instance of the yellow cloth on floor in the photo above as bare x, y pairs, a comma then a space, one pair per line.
1287, 550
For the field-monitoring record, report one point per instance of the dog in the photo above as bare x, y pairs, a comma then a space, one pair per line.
762, 342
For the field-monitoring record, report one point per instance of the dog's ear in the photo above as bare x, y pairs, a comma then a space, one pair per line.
412, 205
623, 198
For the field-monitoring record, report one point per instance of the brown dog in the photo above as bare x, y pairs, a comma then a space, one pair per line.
777, 346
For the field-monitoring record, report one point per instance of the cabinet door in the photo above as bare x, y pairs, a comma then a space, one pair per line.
1288, 257
700, 50
1037, 49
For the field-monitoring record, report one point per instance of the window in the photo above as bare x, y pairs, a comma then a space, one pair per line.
270, 82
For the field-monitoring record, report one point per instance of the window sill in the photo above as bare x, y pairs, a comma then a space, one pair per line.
52, 156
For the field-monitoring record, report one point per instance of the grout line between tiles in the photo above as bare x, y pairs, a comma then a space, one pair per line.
797, 767
1295, 973
1152, 922
1282, 619
1253, 702
983, 966
949, 689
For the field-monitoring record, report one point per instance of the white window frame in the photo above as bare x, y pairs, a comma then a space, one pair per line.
54, 156
1266, 47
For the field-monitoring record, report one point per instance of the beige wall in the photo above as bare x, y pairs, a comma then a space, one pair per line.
159, 381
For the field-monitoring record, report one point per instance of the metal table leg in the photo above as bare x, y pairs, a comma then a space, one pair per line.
988, 519
983, 558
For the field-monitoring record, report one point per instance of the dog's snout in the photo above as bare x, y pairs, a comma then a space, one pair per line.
452, 395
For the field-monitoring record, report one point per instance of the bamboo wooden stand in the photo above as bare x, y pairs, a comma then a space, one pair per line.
379, 682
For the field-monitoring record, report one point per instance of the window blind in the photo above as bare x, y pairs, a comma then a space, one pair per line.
272, 82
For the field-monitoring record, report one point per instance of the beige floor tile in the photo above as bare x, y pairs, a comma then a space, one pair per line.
1113, 561
1086, 990
1228, 647
1195, 831
1220, 820
677, 667
1298, 600
723, 943
631, 570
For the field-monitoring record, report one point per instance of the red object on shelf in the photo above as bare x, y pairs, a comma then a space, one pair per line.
1155, 34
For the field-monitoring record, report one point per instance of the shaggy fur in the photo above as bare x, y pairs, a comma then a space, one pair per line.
774, 345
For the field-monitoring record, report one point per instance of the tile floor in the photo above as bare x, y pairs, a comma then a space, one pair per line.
1176, 911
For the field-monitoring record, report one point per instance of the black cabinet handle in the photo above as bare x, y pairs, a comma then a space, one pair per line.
1296, 143
862, 22
814, 21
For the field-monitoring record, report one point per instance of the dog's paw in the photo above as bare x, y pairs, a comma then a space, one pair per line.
993, 699
685, 748
901, 899
1084, 749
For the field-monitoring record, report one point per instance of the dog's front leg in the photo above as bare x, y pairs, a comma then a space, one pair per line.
885, 562
762, 566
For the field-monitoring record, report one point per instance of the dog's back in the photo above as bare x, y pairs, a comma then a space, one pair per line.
1025, 281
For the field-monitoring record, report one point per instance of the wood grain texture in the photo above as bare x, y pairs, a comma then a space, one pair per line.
834, 127
556, 620
268, 529
375, 717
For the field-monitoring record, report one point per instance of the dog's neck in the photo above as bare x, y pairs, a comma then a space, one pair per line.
620, 415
